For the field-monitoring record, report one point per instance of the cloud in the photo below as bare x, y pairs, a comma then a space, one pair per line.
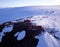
17, 3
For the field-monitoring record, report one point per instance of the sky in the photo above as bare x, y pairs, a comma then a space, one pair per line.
19, 3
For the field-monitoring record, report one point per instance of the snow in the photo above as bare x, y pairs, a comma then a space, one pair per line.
48, 22
5, 30
20, 35
53, 23
50, 40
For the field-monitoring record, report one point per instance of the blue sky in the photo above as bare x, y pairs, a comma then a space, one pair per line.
19, 3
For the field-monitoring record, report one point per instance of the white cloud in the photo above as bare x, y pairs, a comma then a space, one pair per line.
17, 3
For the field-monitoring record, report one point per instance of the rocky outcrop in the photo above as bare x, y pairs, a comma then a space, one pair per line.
28, 41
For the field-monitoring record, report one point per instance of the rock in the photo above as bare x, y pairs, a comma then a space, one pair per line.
29, 40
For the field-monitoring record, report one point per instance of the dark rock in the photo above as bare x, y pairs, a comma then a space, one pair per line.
28, 41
